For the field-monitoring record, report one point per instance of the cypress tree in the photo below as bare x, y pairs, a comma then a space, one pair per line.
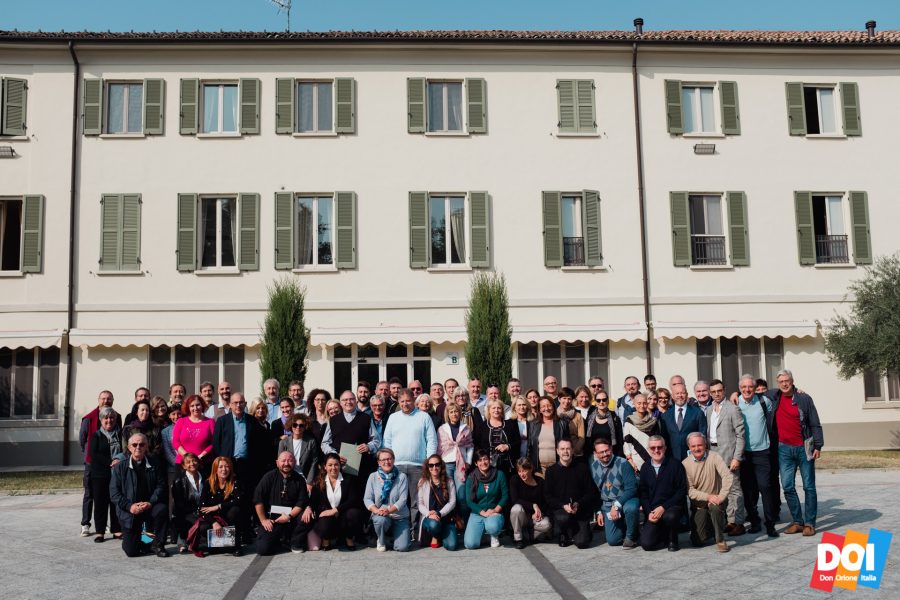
489, 345
285, 336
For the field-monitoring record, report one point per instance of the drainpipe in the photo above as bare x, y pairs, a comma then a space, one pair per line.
648, 346
70, 318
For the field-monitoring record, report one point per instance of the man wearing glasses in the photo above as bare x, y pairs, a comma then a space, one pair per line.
138, 490
597, 385
625, 404
662, 489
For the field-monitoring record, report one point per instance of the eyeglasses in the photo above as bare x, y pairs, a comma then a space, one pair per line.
597, 385
656, 448
137, 445
298, 426
603, 400
434, 465
385, 460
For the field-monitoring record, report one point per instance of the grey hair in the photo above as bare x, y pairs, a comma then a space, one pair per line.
272, 380
748, 376
784, 372
106, 411
696, 434
656, 438
700, 382
137, 435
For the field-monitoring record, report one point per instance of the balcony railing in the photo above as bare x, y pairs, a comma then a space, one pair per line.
573, 251
708, 250
832, 249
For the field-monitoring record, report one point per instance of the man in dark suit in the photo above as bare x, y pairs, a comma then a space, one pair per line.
680, 420
662, 489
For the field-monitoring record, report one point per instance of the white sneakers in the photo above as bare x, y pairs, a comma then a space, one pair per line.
495, 541
85, 530
380, 548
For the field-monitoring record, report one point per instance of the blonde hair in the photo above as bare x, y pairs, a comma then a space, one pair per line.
521, 399
255, 404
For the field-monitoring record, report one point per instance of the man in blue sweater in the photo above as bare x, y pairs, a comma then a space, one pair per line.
619, 504
410, 434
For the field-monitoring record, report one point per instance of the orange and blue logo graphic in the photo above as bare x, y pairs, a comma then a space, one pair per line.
850, 561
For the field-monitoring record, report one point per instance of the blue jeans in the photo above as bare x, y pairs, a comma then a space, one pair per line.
791, 458
625, 526
436, 529
478, 526
399, 528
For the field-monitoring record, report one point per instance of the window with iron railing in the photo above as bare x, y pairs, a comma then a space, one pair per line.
573, 251
832, 249
707, 231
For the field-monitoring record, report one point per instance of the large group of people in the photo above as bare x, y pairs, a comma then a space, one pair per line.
447, 466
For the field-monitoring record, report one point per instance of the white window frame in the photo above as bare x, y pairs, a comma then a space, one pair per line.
884, 400
315, 131
197, 348
447, 265
201, 230
314, 266
221, 108
35, 389
382, 361
697, 115
586, 358
577, 222
107, 105
835, 106
445, 100
726, 233
847, 222
4, 203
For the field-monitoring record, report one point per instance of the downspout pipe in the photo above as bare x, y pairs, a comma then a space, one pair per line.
70, 317
648, 346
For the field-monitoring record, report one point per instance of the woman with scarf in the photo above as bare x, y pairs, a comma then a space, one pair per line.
543, 435
337, 500
437, 501
471, 416
455, 445
186, 492
500, 438
141, 420
603, 423
487, 494
568, 412
639, 426
387, 497
220, 507
107, 450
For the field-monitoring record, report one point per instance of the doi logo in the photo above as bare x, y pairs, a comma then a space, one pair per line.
848, 561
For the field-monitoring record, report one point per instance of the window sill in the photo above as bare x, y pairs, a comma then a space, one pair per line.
121, 136
825, 136
315, 134
29, 422
582, 268
14, 138
315, 269
849, 265
700, 135
118, 273
576, 134
446, 134
12, 274
218, 136
712, 268
210, 272
880, 405
450, 269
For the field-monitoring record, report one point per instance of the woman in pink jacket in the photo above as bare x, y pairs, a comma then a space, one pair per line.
194, 433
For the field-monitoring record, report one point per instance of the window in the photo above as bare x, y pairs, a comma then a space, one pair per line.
575, 100
192, 365
823, 108
13, 106
572, 229
449, 230
120, 221
124, 107
29, 383
315, 107
21, 234
880, 388
315, 230
702, 108
439, 106
832, 225
572, 363
220, 108
729, 358
700, 233
315, 227
372, 363
218, 233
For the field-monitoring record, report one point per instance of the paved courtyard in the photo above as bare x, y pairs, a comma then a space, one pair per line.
44, 558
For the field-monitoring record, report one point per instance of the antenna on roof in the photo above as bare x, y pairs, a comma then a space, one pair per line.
285, 7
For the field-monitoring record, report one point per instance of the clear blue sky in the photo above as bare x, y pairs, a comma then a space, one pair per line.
363, 15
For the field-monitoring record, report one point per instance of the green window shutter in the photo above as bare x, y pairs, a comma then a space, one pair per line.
415, 104
33, 234
92, 107
248, 243
284, 105
796, 110
806, 238
850, 108
587, 117
131, 233
565, 94
110, 227
284, 230
345, 105
14, 105
480, 228
249, 94
731, 114
190, 97
737, 229
552, 218
476, 99
590, 216
681, 229
154, 106
419, 230
186, 249
674, 116
859, 217
345, 228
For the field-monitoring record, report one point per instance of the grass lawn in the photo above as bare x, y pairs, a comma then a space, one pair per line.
859, 459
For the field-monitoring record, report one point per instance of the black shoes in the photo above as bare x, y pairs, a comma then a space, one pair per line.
238, 551
564, 542
755, 527
673, 547
159, 550
520, 544
770, 531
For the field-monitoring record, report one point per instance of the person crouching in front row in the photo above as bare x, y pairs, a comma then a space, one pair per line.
282, 507
138, 489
